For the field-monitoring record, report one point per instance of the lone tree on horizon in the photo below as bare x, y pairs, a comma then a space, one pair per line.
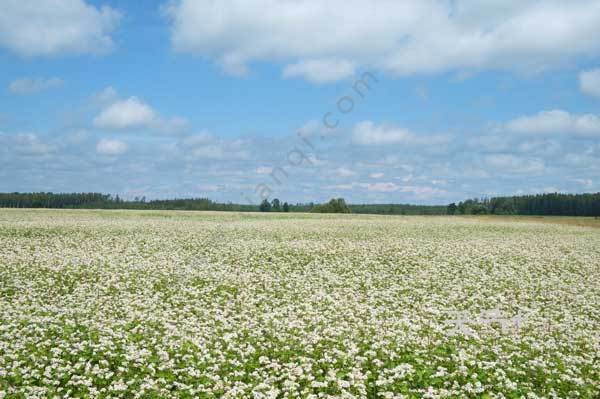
335, 205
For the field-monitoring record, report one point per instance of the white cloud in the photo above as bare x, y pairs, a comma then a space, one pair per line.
76, 137
557, 121
492, 143
400, 37
320, 71
421, 192
388, 187
134, 114
264, 170
367, 133
210, 187
588, 183
29, 144
344, 172
551, 189
350, 186
511, 164
383, 187
543, 147
315, 128
111, 147
408, 178
589, 82
581, 160
48, 27
126, 114
217, 151
202, 138
106, 96
206, 146
376, 175
27, 86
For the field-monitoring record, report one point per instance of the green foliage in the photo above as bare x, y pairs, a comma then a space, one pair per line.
502, 206
398, 209
553, 204
479, 209
107, 201
542, 204
335, 205
265, 206
276, 205
452, 208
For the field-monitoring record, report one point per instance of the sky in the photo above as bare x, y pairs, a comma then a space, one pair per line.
380, 101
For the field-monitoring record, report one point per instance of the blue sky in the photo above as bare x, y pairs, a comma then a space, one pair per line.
225, 99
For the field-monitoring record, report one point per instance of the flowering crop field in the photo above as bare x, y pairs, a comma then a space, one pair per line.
135, 304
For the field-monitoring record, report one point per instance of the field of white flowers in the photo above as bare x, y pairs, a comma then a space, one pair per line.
132, 304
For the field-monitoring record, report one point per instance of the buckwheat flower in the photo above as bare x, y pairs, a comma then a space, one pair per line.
264, 360
337, 310
119, 386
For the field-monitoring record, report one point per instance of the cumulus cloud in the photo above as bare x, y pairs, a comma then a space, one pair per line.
49, 27
379, 174
111, 147
314, 128
556, 122
133, 114
28, 86
126, 114
589, 82
368, 133
400, 37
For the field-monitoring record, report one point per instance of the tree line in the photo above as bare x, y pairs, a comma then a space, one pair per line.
553, 204
107, 201
542, 204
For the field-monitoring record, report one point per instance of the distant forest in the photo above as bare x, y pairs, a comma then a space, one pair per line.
541, 204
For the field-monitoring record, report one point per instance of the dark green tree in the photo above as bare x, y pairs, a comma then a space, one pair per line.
542, 204
335, 205
286, 207
479, 209
265, 206
276, 205
452, 208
